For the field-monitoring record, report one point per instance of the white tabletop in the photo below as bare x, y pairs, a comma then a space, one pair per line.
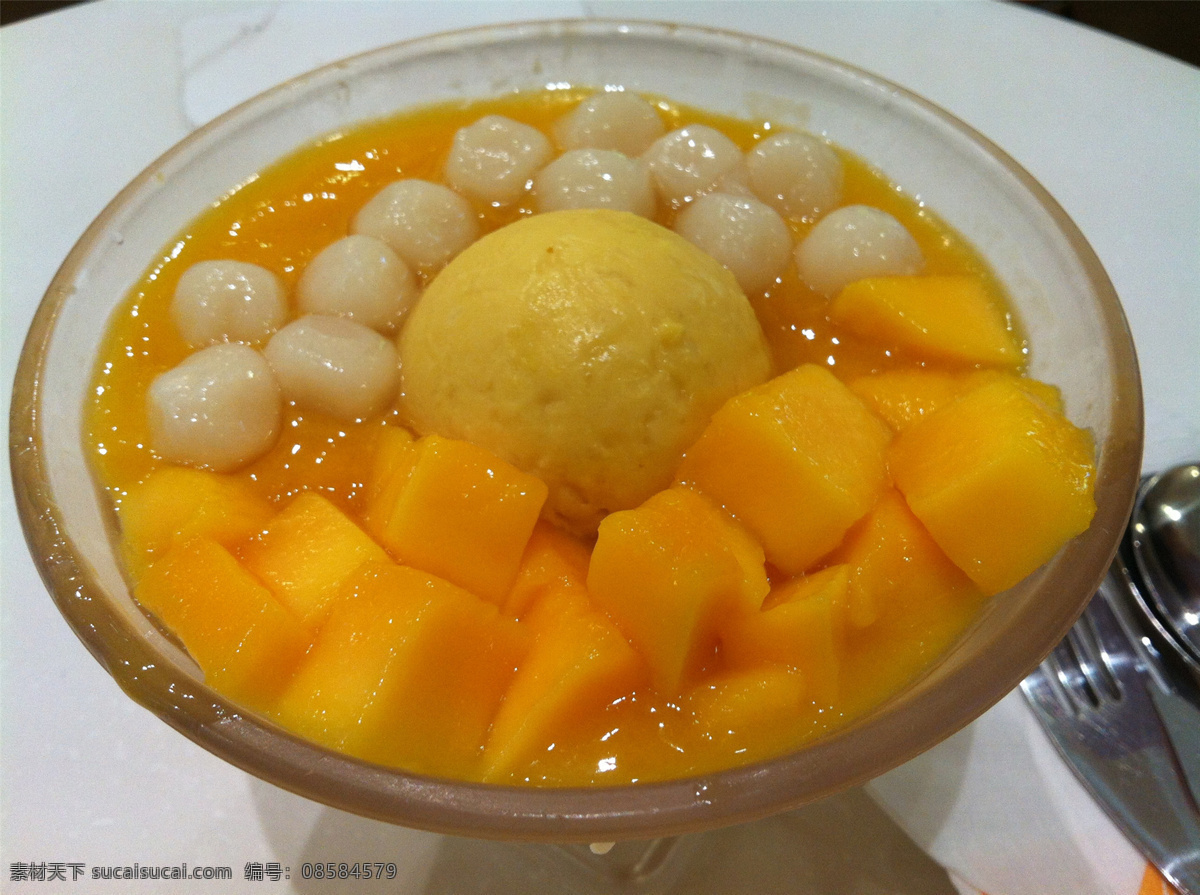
92, 94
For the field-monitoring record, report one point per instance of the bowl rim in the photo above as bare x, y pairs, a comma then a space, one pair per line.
530, 813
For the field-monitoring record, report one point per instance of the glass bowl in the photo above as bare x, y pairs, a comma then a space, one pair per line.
1079, 337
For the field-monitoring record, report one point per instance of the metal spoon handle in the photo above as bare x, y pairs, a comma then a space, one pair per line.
1180, 719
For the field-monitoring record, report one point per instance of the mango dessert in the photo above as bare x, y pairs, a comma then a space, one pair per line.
568, 439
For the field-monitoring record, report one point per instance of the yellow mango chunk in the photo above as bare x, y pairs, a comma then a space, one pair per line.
578, 664
748, 705
247, 643
935, 317
1000, 480
907, 602
668, 573
902, 397
306, 552
553, 561
1043, 391
895, 568
391, 466
464, 515
175, 504
408, 670
800, 627
798, 460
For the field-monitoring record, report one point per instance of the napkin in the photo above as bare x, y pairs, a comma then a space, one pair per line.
1000, 810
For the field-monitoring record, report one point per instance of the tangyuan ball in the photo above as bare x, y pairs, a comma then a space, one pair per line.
747, 236
358, 277
795, 173
853, 243
690, 160
424, 223
219, 409
594, 178
494, 158
227, 301
335, 366
620, 121
589, 348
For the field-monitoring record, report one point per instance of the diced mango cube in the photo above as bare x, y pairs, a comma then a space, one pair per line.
578, 664
306, 552
175, 504
391, 467
408, 670
896, 569
1043, 391
464, 515
553, 561
902, 397
939, 317
907, 602
748, 705
668, 573
1000, 481
798, 460
801, 627
247, 643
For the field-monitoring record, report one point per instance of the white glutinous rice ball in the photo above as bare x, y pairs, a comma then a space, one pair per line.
688, 161
796, 173
335, 365
227, 301
747, 236
494, 158
360, 278
425, 223
219, 409
619, 121
594, 178
855, 242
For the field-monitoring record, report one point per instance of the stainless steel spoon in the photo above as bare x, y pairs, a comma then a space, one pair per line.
1165, 537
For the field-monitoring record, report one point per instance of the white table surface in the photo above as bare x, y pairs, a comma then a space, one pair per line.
93, 94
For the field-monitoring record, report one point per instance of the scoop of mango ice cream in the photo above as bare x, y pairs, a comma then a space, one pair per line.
589, 348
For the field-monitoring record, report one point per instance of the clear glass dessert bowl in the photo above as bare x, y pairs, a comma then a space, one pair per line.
1068, 309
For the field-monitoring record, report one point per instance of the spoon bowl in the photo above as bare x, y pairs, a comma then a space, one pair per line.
1165, 540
